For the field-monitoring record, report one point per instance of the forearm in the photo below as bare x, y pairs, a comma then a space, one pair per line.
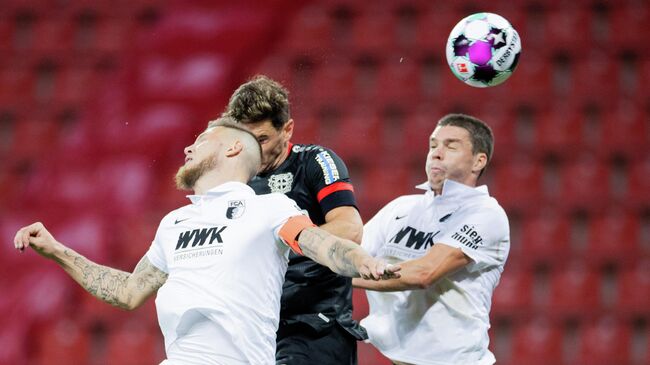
105, 283
398, 284
337, 254
345, 229
413, 276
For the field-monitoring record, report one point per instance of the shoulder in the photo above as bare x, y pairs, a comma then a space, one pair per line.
401, 205
309, 151
487, 208
172, 216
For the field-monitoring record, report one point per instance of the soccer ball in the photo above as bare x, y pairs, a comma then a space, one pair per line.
483, 50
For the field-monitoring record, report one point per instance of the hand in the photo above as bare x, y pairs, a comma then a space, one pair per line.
371, 268
38, 237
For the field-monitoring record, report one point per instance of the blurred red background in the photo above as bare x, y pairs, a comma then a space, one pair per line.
98, 99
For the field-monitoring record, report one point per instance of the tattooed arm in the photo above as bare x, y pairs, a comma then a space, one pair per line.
115, 287
342, 256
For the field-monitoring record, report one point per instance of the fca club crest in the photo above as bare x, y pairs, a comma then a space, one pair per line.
281, 183
235, 209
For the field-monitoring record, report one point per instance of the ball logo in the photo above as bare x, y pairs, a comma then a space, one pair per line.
235, 209
462, 67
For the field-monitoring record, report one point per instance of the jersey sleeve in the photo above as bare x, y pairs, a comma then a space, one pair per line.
328, 178
156, 253
482, 234
288, 221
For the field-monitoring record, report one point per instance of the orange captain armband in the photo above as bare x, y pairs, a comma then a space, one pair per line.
292, 228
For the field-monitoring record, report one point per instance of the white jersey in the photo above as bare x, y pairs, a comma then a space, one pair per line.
446, 324
226, 265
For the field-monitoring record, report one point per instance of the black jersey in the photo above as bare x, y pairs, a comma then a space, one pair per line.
318, 181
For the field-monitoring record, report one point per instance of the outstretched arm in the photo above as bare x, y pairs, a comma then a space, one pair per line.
422, 272
115, 287
343, 256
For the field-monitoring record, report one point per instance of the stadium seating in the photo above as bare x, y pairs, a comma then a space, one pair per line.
537, 341
97, 100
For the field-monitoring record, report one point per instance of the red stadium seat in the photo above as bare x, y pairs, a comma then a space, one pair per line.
628, 24
518, 183
52, 35
558, 130
584, 184
373, 31
633, 284
131, 343
361, 125
532, 79
625, 129
398, 80
310, 30
561, 26
588, 72
64, 341
17, 86
613, 237
574, 291
638, 191
545, 238
604, 342
537, 341
513, 296
334, 81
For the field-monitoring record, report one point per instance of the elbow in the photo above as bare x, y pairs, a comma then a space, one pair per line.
356, 233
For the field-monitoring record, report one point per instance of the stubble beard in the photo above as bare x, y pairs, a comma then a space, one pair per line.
186, 177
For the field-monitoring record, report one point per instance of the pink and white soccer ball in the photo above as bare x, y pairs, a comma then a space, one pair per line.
483, 50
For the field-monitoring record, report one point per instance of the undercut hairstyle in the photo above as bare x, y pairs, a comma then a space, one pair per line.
480, 134
258, 100
230, 123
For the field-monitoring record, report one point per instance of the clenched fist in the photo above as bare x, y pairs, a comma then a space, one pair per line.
37, 237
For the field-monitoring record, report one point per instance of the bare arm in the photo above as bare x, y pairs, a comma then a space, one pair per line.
115, 287
422, 272
343, 256
344, 222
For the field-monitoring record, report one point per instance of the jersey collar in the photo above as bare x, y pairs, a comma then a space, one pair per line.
221, 190
452, 189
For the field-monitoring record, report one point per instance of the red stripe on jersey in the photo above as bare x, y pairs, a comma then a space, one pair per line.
337, 186
289, 149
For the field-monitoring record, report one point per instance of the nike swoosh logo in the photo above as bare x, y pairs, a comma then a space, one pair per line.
180, 220
400, 217
445, 218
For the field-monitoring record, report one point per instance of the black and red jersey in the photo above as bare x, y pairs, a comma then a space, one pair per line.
318, 181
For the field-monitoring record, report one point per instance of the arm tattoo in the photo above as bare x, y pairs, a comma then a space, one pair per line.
113, 286
329, 250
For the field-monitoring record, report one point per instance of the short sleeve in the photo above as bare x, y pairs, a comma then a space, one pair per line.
156, 253
483, 234
283, 209
328, 177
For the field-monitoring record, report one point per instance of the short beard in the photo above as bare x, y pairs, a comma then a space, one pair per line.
186, 177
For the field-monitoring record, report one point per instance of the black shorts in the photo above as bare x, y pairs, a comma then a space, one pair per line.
303, 346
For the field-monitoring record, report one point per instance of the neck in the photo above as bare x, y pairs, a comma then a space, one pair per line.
213, 179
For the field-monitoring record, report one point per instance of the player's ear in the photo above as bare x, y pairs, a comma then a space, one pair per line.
287, 128
480, 160
234, 149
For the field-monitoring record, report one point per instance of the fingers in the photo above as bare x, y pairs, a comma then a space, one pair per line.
392, 272
23, 236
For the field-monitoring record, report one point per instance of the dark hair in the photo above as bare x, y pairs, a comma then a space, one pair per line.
480, 133
260, 99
